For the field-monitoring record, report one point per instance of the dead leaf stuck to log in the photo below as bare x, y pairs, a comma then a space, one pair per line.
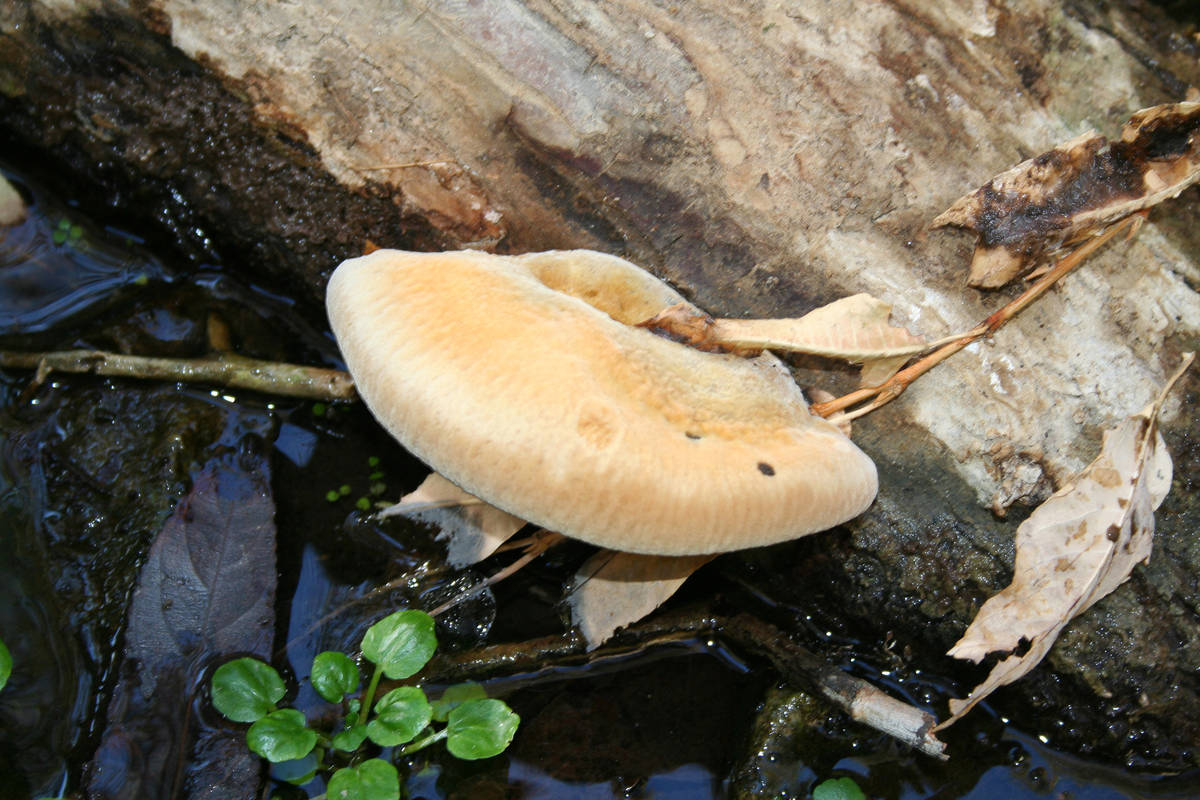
854, 329
865, 400
471, 528
1074, 549
1076, 190
612, 590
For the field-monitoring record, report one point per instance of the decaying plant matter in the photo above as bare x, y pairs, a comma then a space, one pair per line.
1077, 547
855, 329
1077, 190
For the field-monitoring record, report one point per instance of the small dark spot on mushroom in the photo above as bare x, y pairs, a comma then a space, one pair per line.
765, 468
691, 435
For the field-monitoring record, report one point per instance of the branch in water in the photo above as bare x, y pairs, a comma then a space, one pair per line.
225, 369
862, 701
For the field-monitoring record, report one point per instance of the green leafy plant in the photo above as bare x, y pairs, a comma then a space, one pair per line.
66, 233
376, 486
473, 725
838, 789
5, 664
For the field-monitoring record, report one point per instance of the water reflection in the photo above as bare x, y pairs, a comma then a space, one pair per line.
687, 782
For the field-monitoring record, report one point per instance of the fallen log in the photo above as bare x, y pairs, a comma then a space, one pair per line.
765, 160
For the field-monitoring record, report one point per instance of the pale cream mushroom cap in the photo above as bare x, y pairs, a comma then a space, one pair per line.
523, 380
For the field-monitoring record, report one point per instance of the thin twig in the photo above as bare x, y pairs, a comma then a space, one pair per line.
223, 369
535, 545
864, 702
539, 544
798, 666
864, 401
404, 165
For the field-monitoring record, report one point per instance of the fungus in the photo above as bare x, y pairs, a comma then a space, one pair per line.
525, 381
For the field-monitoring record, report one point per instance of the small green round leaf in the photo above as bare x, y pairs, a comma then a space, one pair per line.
350, 739
5, 664
246, 689
399, 716
297, 772
480, 728
838, 789
454, 696
334, 675
281, 736
401, 643
373, 779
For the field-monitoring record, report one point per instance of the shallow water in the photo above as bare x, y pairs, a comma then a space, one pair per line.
90, 468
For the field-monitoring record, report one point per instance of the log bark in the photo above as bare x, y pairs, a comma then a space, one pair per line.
763, 157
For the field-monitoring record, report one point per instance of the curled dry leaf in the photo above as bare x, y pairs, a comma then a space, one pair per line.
1073, 549
472, 528
854, 329
612, 590
1077, 190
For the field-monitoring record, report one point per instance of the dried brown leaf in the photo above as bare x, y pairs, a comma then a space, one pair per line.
1074, 549
1077, 190
684, 324
854, 329
472, 528
879, 371
612, 590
